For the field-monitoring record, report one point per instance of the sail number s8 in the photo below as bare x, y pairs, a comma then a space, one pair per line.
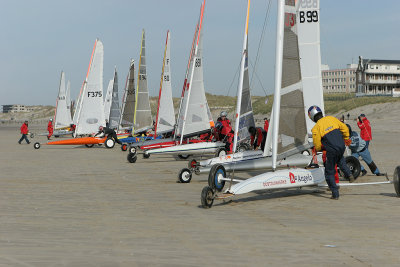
309, 16
95, 94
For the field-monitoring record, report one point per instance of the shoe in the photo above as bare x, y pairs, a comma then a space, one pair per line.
19, 142
380, 174
351, 178
363, 172
29, 143
335, 198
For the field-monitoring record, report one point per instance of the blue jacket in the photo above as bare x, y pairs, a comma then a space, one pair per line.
357, 143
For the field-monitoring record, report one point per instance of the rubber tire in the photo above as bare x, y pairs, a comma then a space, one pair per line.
243, 147
354, 166
145, 155
89, 145
36, 145
192, 164
184, 179
131, 158
124, 147
216, 170
220, 152
396, 180
207, 197
184, 156
109, 143
132, 149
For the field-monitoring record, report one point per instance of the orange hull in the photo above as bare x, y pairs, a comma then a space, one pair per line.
79, 141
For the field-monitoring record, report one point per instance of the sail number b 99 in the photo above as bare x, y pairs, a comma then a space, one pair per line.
309, 16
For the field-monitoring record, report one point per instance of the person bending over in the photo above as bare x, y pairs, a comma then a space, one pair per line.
257, 137
110, 133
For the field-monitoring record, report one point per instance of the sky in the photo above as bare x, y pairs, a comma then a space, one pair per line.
39, 39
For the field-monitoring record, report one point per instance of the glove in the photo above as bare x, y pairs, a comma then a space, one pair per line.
347, 142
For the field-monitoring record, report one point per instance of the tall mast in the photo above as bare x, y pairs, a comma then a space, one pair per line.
240, 87
278, 80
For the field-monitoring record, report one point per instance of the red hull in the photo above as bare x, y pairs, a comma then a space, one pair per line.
79, 141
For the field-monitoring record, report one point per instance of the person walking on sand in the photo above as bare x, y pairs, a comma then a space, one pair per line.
331, 135
50, 129
24, 132
365, 128
358, 149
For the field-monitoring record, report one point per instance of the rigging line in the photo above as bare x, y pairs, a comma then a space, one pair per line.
234, 78
258, 78
261, 41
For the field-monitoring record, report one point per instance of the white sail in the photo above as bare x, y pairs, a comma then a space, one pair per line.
300, 84
244, 110
78, 104
128, 100
196, 116
187, 75
143, 119
68, 98
91, 113
115, 112
62, 117
310, 56
107, 100
165, 120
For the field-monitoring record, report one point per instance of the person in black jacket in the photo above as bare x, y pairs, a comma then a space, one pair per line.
109, 132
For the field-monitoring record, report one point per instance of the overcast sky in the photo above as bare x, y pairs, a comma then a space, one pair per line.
39, 39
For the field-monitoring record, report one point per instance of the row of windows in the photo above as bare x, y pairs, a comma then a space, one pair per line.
379, 67
338, 80
338, 73
337, 87
382, 77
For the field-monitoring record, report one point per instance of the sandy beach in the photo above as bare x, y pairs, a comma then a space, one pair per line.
75, 206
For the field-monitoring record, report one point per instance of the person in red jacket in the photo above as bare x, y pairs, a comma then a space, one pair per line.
50, 129
257, 137
225, 132
266, 124
24, 132
365, 127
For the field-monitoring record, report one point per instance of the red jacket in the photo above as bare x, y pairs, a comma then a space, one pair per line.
259, 135
365, 128
266, 125
50, 127
226, 126
24, 129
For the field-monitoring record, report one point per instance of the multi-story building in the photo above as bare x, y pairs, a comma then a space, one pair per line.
15, 108
339, 80
378, 77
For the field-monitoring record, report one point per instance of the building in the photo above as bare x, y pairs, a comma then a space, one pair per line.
16, 108
339, 80
378, 77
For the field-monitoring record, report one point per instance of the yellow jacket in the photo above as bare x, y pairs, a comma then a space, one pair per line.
328, 129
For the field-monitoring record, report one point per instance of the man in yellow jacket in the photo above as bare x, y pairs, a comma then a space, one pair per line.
331, 135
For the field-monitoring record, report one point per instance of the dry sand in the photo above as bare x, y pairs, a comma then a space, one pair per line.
74, 206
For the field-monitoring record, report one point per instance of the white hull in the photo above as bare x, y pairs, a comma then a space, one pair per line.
191, 149
261, 163
289, 178
236, 157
